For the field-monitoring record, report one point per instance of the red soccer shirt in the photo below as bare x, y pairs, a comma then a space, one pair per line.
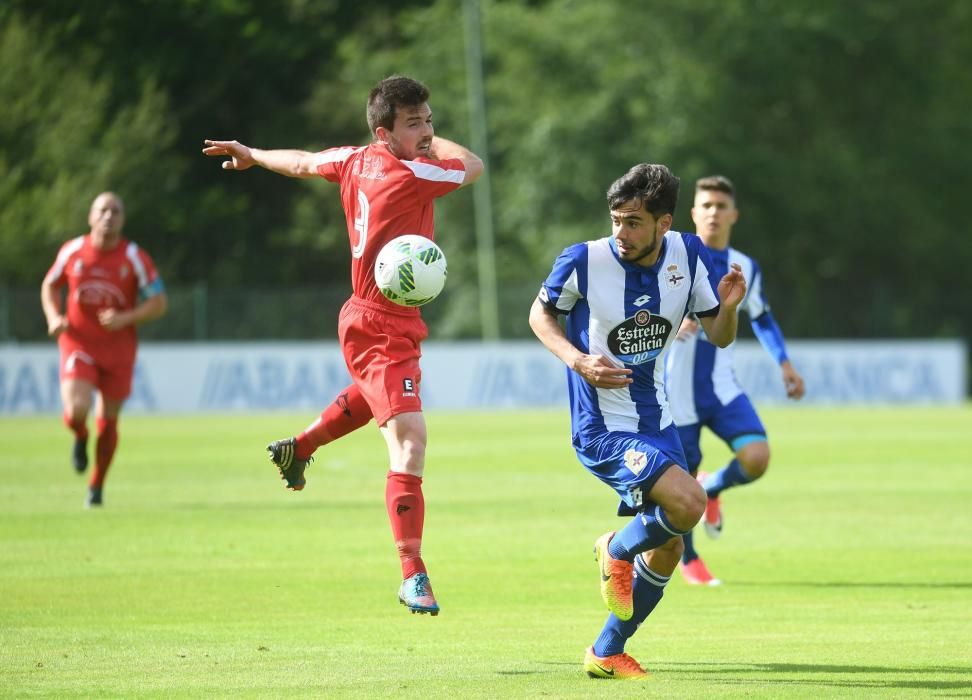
384, 197
102, 279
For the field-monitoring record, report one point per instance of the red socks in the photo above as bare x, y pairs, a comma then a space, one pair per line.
403, 492
104, 449
79, 427
406, 511
348, 413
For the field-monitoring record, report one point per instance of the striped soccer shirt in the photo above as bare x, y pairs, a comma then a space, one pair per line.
629, 314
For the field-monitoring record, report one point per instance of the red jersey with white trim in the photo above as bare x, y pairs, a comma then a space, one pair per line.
102, 279
384, 197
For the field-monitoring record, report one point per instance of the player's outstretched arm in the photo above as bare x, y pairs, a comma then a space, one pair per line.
443, 149
289, 162
596, 370
721, 328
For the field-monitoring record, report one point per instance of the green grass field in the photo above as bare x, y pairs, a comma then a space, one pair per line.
847, 570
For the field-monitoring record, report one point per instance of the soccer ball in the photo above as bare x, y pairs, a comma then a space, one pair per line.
410, 270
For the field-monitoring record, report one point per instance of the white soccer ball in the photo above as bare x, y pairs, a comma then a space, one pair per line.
410, 270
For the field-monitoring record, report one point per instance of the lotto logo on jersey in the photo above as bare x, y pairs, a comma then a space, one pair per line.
639, 339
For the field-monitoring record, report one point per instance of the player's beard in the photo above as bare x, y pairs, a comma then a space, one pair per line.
644, 252
398, 150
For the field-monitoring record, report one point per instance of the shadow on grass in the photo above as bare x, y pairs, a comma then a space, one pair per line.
524, 673
853, 584
881, 682
876, 684
764, 672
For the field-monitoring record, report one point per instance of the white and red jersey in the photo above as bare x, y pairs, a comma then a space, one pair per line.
384, 197
102, 279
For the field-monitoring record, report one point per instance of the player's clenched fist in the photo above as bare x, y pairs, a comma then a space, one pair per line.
57, 325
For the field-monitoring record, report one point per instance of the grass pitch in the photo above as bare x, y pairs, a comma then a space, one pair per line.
847, 570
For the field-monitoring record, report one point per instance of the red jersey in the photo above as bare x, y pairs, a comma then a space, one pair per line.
384, 197
102, 279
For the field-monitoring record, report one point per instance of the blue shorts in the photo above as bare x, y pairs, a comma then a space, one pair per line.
631, 463
736, 424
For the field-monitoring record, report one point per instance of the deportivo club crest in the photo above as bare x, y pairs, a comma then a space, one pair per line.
640, 338
673, 276
635, 461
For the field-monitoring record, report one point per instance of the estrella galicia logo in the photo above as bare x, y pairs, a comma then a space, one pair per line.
639, 339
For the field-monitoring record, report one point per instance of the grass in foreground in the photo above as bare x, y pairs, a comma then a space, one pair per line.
847, 569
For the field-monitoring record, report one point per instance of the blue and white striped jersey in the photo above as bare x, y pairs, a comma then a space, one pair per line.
700, 374
629, 314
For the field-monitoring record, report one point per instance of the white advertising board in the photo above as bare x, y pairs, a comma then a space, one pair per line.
258, 377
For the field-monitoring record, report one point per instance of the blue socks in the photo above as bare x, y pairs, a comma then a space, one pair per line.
645, 531
689, 554
730, 475
647, 590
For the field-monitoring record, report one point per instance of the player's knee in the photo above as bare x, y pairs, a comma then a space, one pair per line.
75, 416
412, 456
696, 506
688, 506
754, 459
755, 470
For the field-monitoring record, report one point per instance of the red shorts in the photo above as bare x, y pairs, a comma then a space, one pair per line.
381, 349
111, 376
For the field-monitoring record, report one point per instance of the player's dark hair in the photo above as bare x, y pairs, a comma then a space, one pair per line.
719, 183
654, 185
391, 93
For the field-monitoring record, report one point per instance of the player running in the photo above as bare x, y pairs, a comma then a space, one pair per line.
702, 387
623, 297
112, 286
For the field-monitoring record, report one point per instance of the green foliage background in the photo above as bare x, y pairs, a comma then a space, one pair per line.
845, 127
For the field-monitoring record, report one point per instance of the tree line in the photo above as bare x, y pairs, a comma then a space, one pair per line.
843, 125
